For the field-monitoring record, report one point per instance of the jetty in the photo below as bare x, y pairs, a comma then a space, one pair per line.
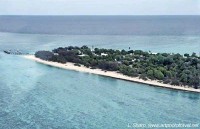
15, 52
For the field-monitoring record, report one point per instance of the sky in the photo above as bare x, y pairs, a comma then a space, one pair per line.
99, 7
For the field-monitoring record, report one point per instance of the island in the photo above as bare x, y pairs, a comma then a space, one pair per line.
167, 70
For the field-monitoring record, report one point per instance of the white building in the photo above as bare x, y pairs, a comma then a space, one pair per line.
104, 54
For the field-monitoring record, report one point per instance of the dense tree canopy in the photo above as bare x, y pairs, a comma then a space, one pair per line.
173, 69
45, 55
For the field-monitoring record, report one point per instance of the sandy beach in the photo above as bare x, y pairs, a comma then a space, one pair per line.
71, 66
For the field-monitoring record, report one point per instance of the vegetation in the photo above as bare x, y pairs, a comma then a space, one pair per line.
168, 68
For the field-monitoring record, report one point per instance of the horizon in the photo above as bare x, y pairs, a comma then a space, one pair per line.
95, 15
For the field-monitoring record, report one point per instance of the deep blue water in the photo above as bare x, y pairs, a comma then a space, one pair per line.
102, 25
36, 96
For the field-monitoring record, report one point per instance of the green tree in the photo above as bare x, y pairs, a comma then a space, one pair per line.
150, 74
169, 74
158, 74
183, 78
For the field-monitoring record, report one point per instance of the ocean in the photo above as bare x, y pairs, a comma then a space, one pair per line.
102, 25
37, 96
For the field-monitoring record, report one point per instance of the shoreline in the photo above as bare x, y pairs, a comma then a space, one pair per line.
112, 74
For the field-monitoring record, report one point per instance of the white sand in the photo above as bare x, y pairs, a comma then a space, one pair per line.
70, 66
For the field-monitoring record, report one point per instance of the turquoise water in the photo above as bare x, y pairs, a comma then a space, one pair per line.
34, 42
36, 96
